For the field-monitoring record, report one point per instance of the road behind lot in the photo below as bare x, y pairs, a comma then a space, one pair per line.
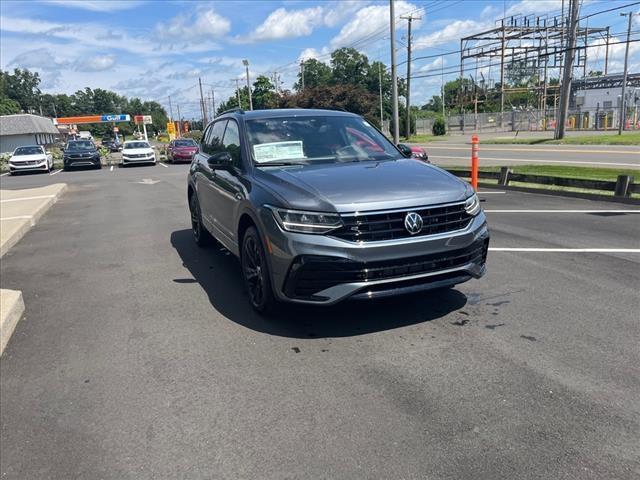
455, 152
139, 356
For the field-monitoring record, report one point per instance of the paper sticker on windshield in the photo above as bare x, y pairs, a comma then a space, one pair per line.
269, 152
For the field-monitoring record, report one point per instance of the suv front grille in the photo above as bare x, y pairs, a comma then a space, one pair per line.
370, 227
311, 274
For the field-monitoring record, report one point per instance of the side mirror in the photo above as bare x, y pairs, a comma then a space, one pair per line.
405, 150
220, 160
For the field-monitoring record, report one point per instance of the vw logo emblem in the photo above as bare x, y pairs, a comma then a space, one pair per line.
413, 223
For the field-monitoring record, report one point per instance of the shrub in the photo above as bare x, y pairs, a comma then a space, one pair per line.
195, 134
439, 127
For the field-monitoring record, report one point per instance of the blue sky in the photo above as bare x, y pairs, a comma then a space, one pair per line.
153, 49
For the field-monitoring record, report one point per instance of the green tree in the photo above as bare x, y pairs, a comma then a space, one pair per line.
21, 86
8, 106
264, 93
316, 73
349, 67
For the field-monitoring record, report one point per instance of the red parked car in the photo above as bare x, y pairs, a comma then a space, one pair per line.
181, 150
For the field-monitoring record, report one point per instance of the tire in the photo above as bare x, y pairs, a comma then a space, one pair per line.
255, 272
200, 234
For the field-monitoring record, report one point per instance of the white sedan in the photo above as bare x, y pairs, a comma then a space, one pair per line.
30, 158
137, 151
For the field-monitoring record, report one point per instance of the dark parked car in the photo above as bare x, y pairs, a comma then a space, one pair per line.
320, 207
111, 144
81, 153
181, 150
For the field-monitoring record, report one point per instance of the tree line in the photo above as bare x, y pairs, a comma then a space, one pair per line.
20, 93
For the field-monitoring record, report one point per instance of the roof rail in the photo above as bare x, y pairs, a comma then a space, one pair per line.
237, 109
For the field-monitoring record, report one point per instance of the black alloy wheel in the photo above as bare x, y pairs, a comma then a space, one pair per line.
200, 234
255, 271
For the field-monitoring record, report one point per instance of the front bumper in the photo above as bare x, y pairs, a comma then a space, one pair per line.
81, 162
26, 167
320, 269
131, 161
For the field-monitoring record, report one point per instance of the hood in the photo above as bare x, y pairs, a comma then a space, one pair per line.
363, 186
185, 149
26, 158
137, 151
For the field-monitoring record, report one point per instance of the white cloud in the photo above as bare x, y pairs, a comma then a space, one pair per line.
436, 64
370, 20
309, 53
98, 63
284, 23
454, 31
526, 7
202, 24
98, 5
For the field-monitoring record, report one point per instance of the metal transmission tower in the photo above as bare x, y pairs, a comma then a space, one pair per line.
527, 47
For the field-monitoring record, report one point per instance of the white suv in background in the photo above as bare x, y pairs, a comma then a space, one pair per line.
137, 151
30, 158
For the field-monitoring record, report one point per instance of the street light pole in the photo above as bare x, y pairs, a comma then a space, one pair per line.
246, 64
394, 73
623, 107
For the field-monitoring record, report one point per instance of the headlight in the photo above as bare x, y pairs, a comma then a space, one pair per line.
472, 205
306, 222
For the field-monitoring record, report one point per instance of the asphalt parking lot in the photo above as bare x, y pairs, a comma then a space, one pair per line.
140, 357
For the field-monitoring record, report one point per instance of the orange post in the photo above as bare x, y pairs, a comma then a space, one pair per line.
474, 162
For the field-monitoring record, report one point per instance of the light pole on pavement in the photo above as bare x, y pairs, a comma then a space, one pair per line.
246, 64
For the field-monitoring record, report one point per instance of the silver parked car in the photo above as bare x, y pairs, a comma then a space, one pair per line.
320, 207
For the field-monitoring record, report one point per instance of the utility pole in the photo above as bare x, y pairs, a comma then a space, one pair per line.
567, 73
409, 19
238, 92
302, 74
246, 64
394, 73
380, 85
170, 108
179, 121
204, 107
213, 103
606, 54
502, 74
442, 84
623, 111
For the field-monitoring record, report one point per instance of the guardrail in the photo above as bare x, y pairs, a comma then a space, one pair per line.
622, 187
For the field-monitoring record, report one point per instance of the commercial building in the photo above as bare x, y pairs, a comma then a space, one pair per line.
25, 129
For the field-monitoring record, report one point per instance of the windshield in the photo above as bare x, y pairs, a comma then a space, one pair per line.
185, 143
316, 139
132, 145
28, 150
79, 146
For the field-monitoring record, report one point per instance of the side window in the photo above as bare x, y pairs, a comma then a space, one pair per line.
213, 141
231, 143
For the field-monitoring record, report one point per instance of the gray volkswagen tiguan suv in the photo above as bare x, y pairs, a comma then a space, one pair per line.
319, 207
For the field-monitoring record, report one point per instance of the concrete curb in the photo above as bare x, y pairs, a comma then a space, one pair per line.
23, 223
560, 193
11, 310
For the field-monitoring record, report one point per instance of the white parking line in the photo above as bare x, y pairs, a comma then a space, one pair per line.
111, 169
488, 193
577, 162
567, 250
562, 211
57, 171
165, 166
2, 175
18, 217
39, 197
